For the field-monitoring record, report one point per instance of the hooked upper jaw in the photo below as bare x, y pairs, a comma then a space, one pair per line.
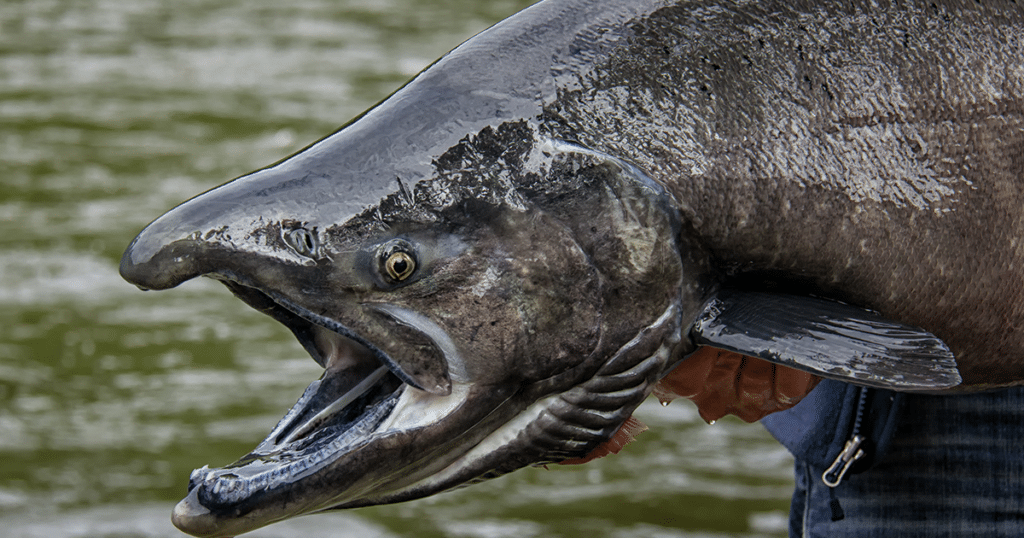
457, 333
347, 440
319, 452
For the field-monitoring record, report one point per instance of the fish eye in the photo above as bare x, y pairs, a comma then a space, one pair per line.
302, 241
399, 265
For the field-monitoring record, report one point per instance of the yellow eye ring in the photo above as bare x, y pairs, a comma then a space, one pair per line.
399, 265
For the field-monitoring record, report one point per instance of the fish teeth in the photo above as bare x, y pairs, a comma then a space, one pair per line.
199, 475
229, 486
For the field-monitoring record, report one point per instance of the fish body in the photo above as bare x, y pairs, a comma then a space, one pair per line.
497, 263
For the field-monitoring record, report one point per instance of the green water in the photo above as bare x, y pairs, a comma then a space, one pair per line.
111, 112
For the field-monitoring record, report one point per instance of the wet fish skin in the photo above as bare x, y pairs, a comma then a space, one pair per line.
872, 154
576, 183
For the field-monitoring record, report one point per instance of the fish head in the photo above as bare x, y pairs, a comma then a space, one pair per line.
509, 304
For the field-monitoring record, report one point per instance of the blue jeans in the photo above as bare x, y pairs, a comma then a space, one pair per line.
932, 465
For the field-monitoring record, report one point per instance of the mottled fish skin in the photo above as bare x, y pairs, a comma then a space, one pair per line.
575, 183
869, 152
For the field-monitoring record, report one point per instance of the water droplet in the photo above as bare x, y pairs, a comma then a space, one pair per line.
664, 403
712, 422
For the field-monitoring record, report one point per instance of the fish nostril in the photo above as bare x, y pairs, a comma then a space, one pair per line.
302, 241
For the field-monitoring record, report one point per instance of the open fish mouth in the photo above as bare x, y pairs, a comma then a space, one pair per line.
336, 414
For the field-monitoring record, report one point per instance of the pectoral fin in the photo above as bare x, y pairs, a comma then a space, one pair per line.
827, 338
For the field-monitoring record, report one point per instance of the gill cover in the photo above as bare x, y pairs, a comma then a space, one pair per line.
517, 331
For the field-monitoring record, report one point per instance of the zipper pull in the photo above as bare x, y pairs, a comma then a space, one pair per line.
850, 454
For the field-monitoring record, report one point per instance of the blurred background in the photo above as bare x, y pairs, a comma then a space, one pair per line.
112, 112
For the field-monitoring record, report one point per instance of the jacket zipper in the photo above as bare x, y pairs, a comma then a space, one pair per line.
847, 457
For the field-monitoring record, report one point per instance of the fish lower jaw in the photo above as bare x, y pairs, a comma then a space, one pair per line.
219, 499
191, 516
225, 489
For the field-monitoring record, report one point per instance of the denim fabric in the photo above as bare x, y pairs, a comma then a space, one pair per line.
955, 467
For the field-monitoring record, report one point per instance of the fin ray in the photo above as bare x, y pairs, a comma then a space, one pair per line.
827, 338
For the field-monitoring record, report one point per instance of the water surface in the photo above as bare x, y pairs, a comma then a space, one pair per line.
112, 112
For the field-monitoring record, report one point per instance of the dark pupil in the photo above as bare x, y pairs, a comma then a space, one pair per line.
400, 265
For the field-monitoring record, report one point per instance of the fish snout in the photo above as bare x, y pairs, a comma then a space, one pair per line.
184, 243
172, 265
224, 230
